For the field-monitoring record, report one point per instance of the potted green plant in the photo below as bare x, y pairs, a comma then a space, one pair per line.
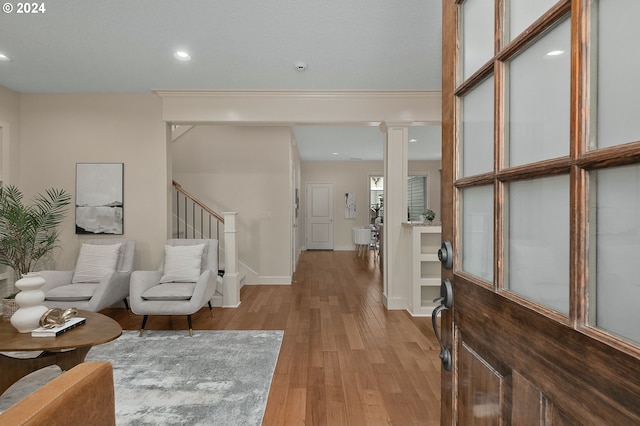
29, 231
429, 215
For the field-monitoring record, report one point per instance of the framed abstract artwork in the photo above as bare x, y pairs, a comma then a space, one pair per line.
99, 198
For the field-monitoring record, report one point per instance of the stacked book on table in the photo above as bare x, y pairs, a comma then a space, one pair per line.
56, 331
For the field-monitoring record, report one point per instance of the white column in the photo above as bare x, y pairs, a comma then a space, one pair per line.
396, 166
231, 279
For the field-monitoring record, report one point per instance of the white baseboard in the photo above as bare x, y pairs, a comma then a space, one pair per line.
397, 304
419, 313
274, 280
338, 248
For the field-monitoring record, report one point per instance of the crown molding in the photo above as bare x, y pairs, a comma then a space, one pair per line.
301, 93
300, 107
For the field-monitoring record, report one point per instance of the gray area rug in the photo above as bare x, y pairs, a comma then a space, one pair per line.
169, 378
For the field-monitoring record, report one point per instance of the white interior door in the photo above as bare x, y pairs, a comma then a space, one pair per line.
319, 229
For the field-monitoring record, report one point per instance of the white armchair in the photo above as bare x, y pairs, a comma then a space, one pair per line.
184, 283
100, 279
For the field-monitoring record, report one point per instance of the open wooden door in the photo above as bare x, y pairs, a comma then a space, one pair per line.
541, 203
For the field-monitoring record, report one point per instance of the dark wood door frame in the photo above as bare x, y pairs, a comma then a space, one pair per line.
556, 368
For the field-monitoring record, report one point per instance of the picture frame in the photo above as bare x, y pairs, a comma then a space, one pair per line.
100, 198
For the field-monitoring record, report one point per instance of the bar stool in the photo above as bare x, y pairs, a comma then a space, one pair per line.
361, 239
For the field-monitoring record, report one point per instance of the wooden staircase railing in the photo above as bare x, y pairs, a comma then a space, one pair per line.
189, 207
194, 219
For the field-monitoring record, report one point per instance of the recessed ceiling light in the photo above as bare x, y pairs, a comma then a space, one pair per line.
181, 55
413, 140
4, 57
336, 153
555, 52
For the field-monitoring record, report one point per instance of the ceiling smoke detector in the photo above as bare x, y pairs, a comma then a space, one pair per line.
300, 66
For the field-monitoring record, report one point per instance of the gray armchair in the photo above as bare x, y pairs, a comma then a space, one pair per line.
94, 284
184, 283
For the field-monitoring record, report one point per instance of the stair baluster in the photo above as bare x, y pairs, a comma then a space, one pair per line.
231, 278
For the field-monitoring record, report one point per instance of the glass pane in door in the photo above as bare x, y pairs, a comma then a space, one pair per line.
618, 66
614, 294
477, 231
477, 35
538, 241
523, 13
477, 130
538, 99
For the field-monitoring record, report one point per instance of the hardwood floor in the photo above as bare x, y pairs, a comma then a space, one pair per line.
345, 359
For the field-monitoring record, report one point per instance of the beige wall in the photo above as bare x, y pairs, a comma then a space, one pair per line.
10, 128
58, 131
353, 177
246, 170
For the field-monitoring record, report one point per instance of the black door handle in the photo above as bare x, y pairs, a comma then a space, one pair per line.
445, 255
446, 301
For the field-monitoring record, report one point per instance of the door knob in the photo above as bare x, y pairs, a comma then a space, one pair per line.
446, 301
446, 294
445, 255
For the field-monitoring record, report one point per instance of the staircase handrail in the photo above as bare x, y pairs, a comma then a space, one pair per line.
181, 190
231, 279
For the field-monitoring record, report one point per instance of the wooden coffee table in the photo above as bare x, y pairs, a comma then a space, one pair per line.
66, 350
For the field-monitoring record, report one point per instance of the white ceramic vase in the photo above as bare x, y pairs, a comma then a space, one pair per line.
30, 299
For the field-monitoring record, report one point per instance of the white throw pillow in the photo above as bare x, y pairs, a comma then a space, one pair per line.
95, 261
182, 263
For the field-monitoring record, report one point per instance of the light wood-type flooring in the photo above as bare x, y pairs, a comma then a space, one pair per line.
345, 359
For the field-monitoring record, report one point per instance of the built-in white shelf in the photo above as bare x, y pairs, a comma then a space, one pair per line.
426, 269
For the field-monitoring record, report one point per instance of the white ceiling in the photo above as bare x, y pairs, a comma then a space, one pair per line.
98, 46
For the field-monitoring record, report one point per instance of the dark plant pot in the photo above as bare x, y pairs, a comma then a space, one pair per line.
9, 307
